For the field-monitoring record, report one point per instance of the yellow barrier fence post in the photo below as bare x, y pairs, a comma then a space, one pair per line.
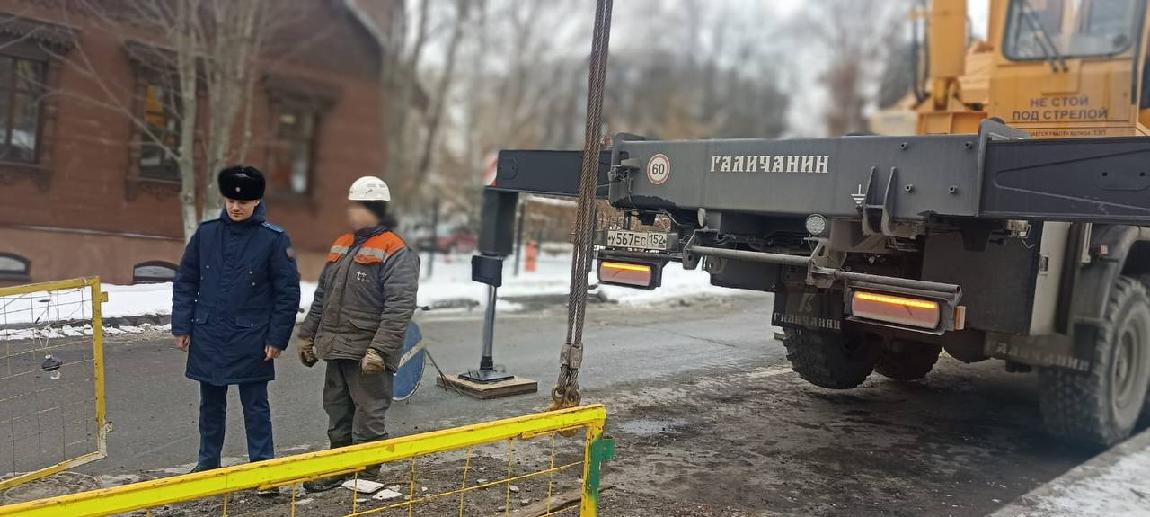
599, 448
98, 297
292, 469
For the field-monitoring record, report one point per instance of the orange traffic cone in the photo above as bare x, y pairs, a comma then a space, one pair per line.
531, 255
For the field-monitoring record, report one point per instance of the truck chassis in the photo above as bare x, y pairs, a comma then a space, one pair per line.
883, 251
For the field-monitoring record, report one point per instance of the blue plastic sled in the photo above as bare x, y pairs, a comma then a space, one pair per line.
410, 364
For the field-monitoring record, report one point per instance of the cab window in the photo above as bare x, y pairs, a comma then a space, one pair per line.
1050, 29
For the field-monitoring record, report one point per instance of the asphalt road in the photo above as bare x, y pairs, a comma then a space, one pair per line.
153, 407
709, 418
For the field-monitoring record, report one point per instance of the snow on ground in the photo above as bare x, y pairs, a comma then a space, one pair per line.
76, 305
138, 300
50, 331
1117, 482
452, 281
448, 286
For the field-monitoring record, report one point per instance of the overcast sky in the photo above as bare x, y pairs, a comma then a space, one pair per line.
800, 76
978, 14
977, 9
808, 104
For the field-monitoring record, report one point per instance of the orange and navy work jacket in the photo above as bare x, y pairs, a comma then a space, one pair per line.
365, 298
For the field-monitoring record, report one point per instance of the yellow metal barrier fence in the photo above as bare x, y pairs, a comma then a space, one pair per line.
291, 471
47, 365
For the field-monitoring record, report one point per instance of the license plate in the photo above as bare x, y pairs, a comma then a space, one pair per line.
643, 240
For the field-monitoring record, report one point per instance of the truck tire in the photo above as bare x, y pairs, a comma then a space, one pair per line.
1144, 420
829, 359
1101, 407
907, 360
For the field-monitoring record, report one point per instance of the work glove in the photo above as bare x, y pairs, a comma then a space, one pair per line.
372, 363
307, 352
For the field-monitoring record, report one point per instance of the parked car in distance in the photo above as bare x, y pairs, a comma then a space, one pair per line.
446, 239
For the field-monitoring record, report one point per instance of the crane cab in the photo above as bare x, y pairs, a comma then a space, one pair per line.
1053, 68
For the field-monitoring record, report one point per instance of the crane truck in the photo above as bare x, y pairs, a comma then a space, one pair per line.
1014, 225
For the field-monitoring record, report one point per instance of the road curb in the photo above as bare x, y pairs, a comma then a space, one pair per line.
1116, 482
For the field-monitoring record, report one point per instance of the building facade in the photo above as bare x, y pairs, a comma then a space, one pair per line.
85, 189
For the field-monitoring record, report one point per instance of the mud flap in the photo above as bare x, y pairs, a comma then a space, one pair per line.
1058, 350
808, 308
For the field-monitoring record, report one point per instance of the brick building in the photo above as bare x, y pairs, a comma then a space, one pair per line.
83, 193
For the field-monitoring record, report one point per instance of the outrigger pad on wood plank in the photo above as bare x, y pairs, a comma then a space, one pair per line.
507, 388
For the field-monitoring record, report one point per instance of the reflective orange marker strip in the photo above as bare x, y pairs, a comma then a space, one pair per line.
626, 266
913, 303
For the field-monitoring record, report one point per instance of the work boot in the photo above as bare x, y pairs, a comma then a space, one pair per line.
316, 486
201, 468
379, 472
328, 483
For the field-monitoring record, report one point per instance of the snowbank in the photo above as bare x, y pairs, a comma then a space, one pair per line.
450, 285
1112, 483
451, 281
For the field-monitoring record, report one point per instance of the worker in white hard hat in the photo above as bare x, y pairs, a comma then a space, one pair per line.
358, 319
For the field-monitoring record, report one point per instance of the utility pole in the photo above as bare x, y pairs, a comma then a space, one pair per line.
521, 214
434, 237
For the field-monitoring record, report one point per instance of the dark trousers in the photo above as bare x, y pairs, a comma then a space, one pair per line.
213, 421
355, 403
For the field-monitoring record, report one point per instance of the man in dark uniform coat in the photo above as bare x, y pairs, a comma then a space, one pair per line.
234, 305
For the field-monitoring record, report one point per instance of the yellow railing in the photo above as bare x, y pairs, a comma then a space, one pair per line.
291, 471
66, 300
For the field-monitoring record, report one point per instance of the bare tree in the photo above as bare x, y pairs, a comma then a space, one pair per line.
185, 40
475, 80
856, 35
470, 110
406, 36
694, 69
440, 96
205, 51
527, 68
658, 95
703, 70
229, 48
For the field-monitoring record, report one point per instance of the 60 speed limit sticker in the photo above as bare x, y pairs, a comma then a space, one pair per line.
659, 169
